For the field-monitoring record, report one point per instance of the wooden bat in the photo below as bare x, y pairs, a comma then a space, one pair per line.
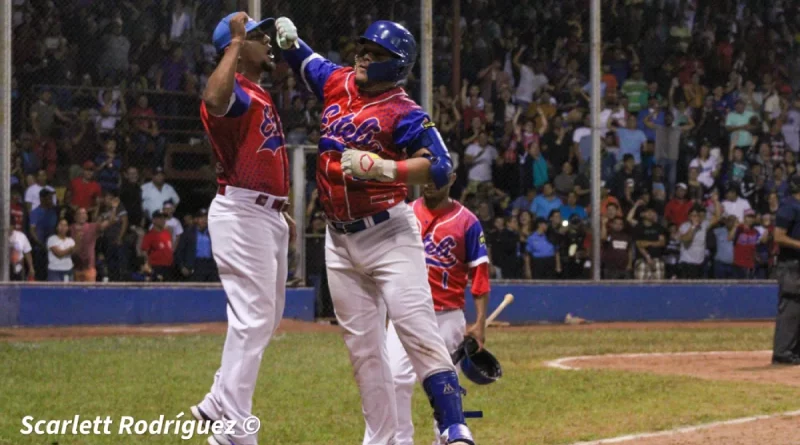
508, 299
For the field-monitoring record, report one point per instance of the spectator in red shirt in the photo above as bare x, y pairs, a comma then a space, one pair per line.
677, 209
85, 190
745, 241
157, 245
85, 235
46, 152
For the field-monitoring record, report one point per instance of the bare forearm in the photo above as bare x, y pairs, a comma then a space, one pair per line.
785, 241
419, 171
220, 85
481, 306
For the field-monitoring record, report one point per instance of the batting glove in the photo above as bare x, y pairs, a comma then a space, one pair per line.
286, 33
365, 165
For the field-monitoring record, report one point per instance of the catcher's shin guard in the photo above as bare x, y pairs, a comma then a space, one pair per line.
444, 393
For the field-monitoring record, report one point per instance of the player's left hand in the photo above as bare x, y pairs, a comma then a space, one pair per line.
478, 332
365, 165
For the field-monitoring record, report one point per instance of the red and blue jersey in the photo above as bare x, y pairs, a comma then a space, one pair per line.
454, 247
248, 141
389, 124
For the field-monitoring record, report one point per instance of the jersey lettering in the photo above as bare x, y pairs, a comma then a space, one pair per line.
342, 130
440, 254
273, 140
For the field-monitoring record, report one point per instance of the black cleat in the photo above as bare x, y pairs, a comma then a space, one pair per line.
788, 360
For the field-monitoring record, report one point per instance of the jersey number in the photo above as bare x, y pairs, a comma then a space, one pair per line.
444, 280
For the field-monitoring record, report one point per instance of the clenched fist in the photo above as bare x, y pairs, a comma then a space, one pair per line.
237, 26
365, 165
286, 33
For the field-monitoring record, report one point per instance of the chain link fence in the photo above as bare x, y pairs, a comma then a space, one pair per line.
106, 102
106, 99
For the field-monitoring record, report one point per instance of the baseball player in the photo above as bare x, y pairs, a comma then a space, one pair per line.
454, 248
248, 230
374, 141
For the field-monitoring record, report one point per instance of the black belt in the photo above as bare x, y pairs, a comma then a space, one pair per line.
361, 224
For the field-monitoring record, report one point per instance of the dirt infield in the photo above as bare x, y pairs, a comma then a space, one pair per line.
731, 366
291, 325
56, 333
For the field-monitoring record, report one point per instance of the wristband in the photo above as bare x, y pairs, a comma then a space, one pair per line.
402, 171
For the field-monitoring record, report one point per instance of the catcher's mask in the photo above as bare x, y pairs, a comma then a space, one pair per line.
480, 367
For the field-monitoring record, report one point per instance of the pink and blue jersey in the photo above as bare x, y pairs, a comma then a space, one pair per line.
248, 141
454, 246
389, 124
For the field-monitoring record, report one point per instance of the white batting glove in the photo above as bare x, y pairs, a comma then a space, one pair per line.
286, 33
365, 165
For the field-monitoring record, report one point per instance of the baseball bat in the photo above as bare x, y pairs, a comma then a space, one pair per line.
508, 299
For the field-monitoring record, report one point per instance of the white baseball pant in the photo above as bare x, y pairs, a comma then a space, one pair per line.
372, 273
250, 245
452, 328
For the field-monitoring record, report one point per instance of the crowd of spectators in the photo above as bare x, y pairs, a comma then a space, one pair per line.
700, 130
100, 91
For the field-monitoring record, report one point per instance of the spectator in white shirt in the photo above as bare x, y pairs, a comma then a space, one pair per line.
32, 193
181, 21
707, 166
20, 250
59, 254
156, 192
479, 158
530, 80
734, 205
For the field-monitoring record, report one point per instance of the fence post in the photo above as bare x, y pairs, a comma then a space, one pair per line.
5, 138
426, 64
298, 165
597, 48
254, 9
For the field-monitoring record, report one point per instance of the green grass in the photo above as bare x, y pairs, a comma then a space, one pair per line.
306, 393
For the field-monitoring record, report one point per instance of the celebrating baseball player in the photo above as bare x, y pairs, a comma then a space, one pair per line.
248, 230
454, 248
374, 141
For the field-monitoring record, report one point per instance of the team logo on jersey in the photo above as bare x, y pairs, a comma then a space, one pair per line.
343, 131
271, 130
440, 254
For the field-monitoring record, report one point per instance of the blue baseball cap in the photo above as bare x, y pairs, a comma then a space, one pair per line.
222, 33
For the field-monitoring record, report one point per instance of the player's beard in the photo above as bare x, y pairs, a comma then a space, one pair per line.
267, 66
434, 197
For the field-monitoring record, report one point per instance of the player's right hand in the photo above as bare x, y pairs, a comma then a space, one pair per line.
286, 32
237, 28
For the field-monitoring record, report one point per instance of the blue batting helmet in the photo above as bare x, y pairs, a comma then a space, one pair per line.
396, 39
478, 365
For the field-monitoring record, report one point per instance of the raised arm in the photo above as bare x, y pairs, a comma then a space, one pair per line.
631, 218
515, 61
220, 88
648, 120
308, 65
